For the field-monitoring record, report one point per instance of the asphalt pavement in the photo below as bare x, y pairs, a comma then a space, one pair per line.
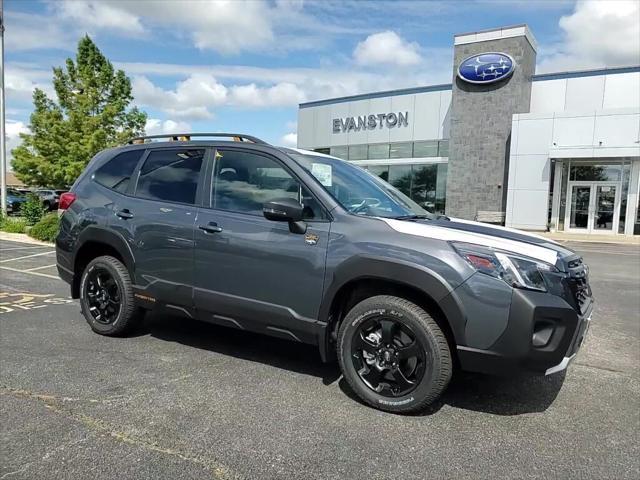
182, 399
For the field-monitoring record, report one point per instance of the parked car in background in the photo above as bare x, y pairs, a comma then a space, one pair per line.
15, 199
49, 198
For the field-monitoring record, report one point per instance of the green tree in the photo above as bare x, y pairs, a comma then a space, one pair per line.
92, 113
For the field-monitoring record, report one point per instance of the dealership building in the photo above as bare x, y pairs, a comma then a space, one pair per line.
501, 144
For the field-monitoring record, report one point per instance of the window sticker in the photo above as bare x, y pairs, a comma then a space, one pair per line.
322, 172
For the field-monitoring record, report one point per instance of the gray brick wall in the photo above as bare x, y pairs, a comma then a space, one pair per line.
481, 127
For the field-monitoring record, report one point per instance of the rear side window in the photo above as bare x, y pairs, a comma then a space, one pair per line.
170, 175
116, 173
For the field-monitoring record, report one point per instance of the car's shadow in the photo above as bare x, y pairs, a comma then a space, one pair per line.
481, 393
272, 351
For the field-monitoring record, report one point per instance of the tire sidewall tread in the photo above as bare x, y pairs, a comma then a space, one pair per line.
428, 332
127, 317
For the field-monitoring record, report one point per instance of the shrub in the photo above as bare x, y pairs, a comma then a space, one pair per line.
14, 225
46, 229
32, 210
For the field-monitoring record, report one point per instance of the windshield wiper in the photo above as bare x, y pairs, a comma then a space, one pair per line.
413, 217
433, 216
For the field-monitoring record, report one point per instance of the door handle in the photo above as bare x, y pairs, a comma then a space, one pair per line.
124, 214
211, 227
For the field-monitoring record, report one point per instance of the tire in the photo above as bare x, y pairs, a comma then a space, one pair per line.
121, 291
46, 205
431, 366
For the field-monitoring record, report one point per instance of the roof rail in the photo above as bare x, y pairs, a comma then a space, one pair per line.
237, 137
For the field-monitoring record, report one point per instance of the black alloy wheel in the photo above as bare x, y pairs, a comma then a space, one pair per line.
107, 297
388, 357
103, 296
393, 354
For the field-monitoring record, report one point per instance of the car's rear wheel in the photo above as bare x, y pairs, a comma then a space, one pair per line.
106, 297
393, 354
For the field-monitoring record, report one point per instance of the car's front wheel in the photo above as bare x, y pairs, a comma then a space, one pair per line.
393, 354
106, 297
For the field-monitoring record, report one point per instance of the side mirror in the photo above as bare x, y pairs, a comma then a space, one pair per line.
283, 210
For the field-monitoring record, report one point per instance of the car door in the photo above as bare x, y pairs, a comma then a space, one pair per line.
251, 272
157, 219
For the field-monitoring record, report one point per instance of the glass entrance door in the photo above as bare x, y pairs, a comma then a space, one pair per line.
593, 207
580, 207
605, 209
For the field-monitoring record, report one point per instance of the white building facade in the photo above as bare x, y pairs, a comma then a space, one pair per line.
563, 153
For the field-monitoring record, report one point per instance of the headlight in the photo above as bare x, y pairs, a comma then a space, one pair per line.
515, 270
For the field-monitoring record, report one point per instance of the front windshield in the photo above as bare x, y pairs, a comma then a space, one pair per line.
357, 190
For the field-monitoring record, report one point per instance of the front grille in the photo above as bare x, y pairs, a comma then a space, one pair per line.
579, 284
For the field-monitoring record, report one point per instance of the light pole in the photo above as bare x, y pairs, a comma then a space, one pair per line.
3, 147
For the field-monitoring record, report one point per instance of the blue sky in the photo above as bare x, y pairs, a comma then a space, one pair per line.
245, 66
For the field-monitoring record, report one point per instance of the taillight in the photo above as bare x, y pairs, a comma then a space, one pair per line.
66, 199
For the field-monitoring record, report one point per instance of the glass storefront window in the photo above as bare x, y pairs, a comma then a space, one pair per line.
425, 149
357, 152
441, 188
550, 202
424, 184
401, 150
380, 151
595, 173
563, 196
626, 174
380, 170
443, 148
423, 188
340, 152
400, 177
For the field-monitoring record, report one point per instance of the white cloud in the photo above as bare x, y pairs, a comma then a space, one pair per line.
29, 31
291, 125
311, 83
289, 140
387, 48
191, 99
283, 94
21, 79
225, 26
597, 34
99, 15
155, 126
13, 129
196, 97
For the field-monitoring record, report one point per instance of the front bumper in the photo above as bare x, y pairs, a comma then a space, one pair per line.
516, 351
573, 351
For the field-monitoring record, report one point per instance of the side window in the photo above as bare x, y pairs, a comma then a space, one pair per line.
170, 175
244, 181
116, 173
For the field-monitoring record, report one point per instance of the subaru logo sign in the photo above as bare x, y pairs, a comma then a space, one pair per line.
486, 67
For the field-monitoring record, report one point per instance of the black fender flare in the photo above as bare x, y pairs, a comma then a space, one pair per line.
418, 277
99, 234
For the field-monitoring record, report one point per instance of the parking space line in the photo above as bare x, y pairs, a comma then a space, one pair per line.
27, 256
30, 273
40, 268
23, 248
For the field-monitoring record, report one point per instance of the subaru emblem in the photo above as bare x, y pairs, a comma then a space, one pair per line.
486, 67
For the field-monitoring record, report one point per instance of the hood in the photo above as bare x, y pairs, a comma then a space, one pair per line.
508, 239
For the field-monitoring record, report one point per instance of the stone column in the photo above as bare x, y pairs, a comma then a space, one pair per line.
481, 122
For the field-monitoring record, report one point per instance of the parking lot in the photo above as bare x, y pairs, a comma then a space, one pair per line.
182, 399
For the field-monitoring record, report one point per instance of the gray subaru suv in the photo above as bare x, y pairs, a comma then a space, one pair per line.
228, 229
